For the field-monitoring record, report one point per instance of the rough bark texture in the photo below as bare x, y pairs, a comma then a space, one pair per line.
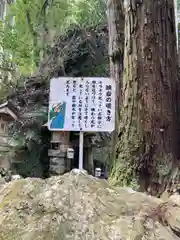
115, 15
148, 139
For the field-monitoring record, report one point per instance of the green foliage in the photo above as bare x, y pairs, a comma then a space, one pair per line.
38, 23
122, 174
19, 141
29, 152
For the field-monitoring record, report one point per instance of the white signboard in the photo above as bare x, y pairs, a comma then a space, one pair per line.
82, 104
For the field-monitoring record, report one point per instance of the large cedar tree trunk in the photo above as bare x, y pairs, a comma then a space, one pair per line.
148, 138
115, 16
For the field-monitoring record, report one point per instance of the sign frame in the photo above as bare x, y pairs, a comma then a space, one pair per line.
101, 94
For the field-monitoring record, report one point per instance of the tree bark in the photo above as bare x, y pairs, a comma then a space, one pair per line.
2, 9
115, 15
88, 160
34, 33
148, 151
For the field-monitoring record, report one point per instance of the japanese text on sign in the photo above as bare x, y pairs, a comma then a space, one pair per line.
82, 104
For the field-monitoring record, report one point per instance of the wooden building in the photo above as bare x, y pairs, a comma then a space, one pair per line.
8, 113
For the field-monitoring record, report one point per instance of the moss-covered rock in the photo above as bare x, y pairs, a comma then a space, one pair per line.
79, 206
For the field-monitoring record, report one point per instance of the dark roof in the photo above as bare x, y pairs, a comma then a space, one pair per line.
8, 105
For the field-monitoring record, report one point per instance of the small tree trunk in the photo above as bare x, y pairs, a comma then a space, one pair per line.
89, 161
2, 9
115, 15
148, 148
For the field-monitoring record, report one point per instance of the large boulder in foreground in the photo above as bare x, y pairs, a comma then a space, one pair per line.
77, 206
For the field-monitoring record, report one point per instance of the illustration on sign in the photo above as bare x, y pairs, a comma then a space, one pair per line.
82, 104
57, 115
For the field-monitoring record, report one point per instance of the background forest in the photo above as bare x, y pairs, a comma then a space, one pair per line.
28, 32
32, 27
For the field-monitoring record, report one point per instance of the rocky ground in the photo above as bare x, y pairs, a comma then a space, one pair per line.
77, 206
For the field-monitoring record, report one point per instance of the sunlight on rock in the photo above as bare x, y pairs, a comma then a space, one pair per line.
67, 207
